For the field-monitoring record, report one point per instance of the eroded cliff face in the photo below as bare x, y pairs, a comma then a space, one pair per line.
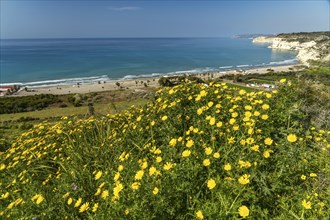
309, 48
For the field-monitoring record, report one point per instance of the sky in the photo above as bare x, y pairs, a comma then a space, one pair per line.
162, 18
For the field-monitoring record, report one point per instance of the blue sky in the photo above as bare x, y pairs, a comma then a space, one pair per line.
93, 18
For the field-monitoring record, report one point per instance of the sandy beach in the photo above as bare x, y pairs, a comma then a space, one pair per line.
132, 84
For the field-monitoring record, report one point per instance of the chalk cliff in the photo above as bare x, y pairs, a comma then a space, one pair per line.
310, 46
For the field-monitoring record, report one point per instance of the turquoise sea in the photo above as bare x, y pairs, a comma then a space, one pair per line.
36, 62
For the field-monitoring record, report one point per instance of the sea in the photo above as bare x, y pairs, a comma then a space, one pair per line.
44, 62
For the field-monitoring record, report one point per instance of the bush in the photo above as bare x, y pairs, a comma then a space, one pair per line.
26, 103
63, 105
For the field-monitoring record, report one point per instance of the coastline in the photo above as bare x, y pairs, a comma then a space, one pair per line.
309, 49
134, 84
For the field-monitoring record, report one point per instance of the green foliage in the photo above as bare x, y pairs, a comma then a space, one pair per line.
26, 103
170, 160
316, 75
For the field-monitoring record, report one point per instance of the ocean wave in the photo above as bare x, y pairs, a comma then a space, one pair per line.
284, 62
244, 65
58, 82
152, 75
225, 67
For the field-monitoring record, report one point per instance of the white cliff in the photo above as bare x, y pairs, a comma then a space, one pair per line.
307, 51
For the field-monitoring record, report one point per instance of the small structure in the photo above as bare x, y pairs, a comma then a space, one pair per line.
268, 86
8, 90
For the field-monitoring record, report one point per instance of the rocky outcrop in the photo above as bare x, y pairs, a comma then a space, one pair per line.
310, 47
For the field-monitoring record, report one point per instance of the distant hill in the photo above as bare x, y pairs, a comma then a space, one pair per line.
249, 36
321, 36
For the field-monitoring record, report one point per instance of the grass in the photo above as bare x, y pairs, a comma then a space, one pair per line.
100, 108
240, 86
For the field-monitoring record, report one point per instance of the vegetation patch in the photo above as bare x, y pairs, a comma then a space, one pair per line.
26, 103
196, 152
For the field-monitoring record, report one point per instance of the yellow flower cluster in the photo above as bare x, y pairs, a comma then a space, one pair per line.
218, 135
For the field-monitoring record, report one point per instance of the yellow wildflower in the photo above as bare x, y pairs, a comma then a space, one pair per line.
4, 196
40, 199
265, 106
155, 191
199, 215
159, 159
105, 194
227, 167
2, 166
248, 107
77, 204
250, 140
139, 175
136, 185
303, 177
190, 143
70, 200
255, 148
168, 166
120, 168
186, 153
313, 175
231, 140
152, 170
206, 162
119, 187
211, 183
144, 165
244, 179
84, 207
245, 164
11, 205
264, 117
242, 92
172, 142
266, 153
243, 211
95, 207
203, 93
212, 121
268, 141
98, 175
66, 195
306, 204
268, 95
292, 138
248, 114
164, 118
208, 151
232, 121
216, 155
98, 192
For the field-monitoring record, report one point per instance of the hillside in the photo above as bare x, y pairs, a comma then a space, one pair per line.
195, 152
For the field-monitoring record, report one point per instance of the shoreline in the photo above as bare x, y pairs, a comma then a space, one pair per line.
135, 84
